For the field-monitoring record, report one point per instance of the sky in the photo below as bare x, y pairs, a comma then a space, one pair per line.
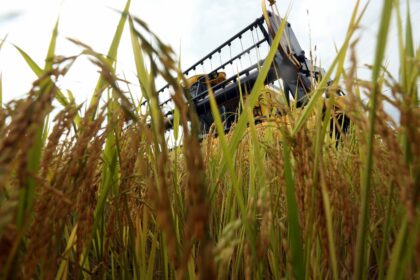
192, 27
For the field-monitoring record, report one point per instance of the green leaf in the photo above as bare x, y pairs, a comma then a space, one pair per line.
295, 235
241, 125
339, 60
142, 73
362, 234
145, 80
3, 41
397, 251
228, 156
111, 56
176, 124
31, 63
39, 72
27, 194
409, 41
51, 50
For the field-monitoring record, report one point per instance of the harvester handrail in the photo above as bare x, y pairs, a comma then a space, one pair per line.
255, 24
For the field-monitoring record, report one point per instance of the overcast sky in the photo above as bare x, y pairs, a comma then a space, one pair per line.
193, 26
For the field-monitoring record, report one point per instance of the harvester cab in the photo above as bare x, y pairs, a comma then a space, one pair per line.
233, 67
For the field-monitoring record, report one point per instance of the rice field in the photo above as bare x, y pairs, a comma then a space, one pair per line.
103, 193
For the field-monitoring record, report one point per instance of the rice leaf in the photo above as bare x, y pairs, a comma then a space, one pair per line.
295, 235
339, 60
256, 91
51, 49
228, 157
27, 195
362, 234
39, 72
112, 54
394, 266
3, 41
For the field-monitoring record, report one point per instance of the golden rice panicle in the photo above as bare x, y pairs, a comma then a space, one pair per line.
27, 116
61, 196
115, 199
87, 193
264, 208
63, 121
304, 167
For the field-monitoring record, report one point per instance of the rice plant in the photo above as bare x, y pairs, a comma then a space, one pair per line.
103, 192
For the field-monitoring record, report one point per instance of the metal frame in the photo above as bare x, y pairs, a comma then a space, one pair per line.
290, 65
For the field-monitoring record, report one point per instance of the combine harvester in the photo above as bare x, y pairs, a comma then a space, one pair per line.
232, 70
